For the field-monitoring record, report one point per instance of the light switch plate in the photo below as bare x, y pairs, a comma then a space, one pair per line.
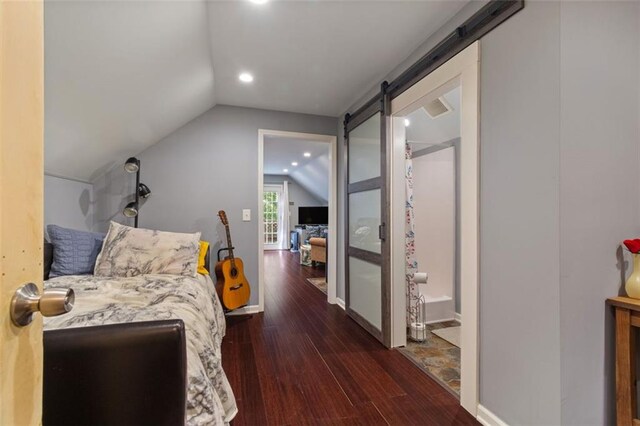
246, 215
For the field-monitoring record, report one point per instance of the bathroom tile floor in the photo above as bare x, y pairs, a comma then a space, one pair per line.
437, 357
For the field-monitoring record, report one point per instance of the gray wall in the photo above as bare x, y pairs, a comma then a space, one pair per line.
560, 108
210, 164
559, 172
299, 196
599, 207
68, 203
520, 218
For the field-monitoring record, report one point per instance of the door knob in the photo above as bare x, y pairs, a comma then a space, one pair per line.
27, 300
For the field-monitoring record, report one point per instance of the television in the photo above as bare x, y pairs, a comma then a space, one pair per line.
313, 215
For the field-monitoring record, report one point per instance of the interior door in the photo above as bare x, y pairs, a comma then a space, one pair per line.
21, 188
271, 216
367, 255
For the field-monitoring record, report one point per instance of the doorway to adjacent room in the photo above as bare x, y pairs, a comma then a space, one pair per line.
297, 223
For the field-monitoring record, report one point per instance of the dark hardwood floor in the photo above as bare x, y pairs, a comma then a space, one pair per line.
304, 361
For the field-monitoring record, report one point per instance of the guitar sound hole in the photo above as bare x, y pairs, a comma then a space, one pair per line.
234, 272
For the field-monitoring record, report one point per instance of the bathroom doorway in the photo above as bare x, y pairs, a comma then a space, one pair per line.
434, 224
432, 133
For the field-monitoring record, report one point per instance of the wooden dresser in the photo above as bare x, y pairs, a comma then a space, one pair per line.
627, 312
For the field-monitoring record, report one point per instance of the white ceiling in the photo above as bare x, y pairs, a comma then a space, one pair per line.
424, 131
312, 173
120, 75
315, 57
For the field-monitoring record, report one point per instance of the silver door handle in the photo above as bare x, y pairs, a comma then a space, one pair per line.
27, 300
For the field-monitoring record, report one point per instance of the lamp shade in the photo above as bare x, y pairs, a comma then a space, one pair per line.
131, 209
143, 190
132, 165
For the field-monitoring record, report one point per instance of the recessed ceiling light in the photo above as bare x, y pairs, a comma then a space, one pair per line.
285, 170
407, 122
294, 164
245, 77
258, 1
307, 154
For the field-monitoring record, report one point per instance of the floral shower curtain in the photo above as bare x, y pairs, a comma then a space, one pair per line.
410, 248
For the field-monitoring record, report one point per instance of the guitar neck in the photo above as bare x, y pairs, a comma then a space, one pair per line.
229, 243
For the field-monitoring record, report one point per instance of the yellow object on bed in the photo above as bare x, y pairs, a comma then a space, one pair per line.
204, 247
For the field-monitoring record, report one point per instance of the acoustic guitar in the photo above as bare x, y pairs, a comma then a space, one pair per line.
232, 286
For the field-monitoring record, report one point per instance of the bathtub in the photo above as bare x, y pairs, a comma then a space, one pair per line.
437, 308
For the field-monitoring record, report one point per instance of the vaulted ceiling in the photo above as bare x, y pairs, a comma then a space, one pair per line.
285, 156
120, 76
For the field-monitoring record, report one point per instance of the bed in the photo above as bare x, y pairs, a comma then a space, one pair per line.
103, 300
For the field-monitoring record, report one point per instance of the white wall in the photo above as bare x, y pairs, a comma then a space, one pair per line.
68, 203
434, 196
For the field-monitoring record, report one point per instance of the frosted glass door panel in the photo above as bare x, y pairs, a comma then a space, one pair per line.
364, 220
365, 281
364, 150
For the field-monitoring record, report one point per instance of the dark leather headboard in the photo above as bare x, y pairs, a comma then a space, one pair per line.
120, 374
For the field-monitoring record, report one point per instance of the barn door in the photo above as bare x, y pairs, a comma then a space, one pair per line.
367, 256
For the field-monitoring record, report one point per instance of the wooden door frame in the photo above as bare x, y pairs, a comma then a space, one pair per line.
332, 249
463, 70
21, 204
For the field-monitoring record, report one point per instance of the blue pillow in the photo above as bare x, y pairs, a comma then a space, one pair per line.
74, 252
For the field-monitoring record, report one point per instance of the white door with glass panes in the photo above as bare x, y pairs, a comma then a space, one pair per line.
366, 271
271, 213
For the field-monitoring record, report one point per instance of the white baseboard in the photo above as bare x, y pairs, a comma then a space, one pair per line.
457, 317
249, 309
340, 302
487, 418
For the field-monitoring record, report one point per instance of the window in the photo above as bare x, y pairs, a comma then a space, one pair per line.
270, 206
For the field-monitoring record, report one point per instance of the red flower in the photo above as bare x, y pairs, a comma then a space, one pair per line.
633, 245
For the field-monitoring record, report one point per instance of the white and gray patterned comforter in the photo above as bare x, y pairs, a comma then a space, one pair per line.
102, 300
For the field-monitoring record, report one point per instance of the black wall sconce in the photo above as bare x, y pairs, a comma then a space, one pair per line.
132, 165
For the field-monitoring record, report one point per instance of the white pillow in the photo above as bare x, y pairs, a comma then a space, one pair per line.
127, 252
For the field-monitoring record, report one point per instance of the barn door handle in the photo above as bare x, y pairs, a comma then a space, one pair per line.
381, 232
27, 300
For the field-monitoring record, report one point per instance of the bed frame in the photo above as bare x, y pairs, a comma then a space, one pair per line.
119, 374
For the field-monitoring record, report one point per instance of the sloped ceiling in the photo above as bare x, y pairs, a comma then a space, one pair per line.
120, 75
312, 173
314, 177
315, 57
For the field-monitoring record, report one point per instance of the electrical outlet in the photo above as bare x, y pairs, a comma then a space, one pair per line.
246, 215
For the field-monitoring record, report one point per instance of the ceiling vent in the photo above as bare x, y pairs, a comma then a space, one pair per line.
437, 107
